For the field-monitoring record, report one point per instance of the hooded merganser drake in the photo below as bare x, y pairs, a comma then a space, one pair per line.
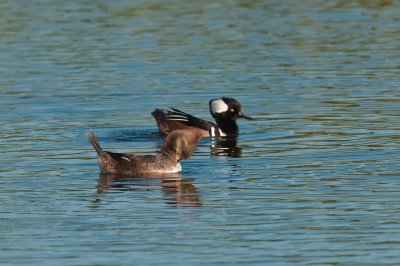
178, 145
224, 110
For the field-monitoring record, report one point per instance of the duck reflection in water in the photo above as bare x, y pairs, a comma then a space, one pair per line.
178, 192
226, 146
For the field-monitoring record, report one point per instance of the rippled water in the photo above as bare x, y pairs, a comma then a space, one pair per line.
313, 180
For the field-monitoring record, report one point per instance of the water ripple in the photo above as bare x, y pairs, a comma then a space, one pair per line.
313, 179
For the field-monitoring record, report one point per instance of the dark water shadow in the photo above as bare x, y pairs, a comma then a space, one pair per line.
178, 192
225, 146
129, 135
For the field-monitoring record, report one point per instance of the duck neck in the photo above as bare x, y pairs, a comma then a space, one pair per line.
228, 126
167, 154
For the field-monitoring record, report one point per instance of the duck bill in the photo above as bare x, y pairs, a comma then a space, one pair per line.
241, 115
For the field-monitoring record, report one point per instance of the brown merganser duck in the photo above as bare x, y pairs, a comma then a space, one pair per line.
224, 110
178, 145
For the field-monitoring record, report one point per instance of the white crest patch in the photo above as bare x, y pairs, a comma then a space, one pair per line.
218, 106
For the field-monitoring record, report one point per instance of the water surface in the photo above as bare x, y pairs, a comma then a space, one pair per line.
314, 180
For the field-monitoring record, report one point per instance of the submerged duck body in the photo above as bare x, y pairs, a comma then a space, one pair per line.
224, 110
177, 146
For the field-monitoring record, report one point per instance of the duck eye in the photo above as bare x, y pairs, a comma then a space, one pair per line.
232, 110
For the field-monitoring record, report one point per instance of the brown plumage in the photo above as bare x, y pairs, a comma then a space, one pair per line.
168, 125
178, 145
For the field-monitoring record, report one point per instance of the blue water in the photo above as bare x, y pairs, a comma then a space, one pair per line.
313, 180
